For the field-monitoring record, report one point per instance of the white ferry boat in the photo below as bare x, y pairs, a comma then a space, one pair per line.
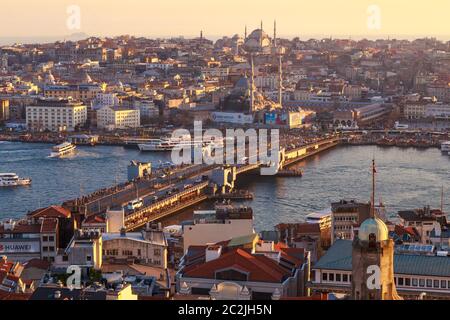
445, 147
168, 144
13, 180
63, 150
323, 218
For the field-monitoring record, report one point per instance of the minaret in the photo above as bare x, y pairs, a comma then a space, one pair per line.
280, 81
252, 86
275, 33
261, 38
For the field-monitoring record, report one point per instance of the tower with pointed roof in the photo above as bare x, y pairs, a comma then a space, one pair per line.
373, 258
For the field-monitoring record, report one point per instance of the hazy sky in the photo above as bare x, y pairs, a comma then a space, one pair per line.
27, 18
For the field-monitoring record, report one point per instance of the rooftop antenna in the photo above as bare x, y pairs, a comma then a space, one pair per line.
374, 171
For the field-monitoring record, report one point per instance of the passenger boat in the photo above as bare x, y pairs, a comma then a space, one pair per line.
63, 149
13, 180
445, 147
323, 218
168, 144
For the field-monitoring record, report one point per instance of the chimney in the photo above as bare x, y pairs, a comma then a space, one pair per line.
213, 252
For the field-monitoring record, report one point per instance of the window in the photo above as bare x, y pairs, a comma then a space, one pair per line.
331, 277
429, 283
157, 252
324, 276
338, 277
51, 238
422, 283
400, 281
65, 258
45, 238
443, 284
436, 284
345, 278
415, 282
139, 252
408, 282
88, 258
45, 249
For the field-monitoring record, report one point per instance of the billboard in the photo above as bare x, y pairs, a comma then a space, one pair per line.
20, 247
232, 117
276, 118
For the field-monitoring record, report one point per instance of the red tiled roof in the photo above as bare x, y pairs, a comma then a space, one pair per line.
259, 267
49, 225
51, 212
14, 296
37, 263
22, 227
94, 219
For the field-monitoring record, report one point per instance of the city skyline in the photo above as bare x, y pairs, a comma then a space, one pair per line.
179, 18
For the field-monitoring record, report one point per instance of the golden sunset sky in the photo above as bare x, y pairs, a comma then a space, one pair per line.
25, 18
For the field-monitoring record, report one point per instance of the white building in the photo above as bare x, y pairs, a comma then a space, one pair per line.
56, 115
147, 247
438, 111
111, 118
106, 99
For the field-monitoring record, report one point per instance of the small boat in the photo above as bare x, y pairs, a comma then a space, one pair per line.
13, 180
63, 149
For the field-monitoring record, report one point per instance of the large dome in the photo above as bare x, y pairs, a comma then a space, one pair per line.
373, 226
257, 40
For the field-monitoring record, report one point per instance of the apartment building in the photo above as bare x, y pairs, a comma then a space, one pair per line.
56, 115
82, 92
111, 118
4, 110
346, 214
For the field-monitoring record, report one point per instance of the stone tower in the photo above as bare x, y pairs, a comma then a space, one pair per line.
373, 263
373, 258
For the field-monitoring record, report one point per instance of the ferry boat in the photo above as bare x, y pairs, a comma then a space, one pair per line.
13, 180
168, 144
63, 150
445, 147
323, 218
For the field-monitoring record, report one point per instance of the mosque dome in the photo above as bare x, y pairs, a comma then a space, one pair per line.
373, 226
257, 40
242, 86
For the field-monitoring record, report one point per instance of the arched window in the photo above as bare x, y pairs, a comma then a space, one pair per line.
372, 240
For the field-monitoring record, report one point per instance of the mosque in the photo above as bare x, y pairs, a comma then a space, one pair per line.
259, 41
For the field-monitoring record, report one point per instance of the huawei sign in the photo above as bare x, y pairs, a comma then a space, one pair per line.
25, 247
